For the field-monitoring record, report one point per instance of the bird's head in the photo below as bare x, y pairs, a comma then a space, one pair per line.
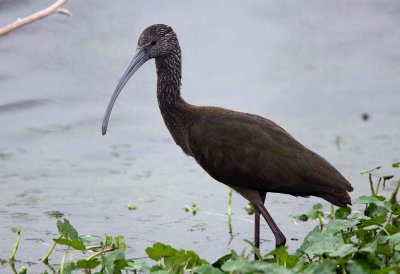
157, 41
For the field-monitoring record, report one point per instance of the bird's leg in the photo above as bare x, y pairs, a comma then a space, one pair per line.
257, 226
280, 239
257, 199
256, 230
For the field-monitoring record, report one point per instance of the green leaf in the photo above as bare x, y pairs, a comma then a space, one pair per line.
392, 229
67, 230
319, 243
155, 270
343, 251
132, 207
76, 244
109, 240
384, 249
140, 265
17, 229
69, 267
360, 264
300, 217
394, 239
255, 249
88, 264
159, 250
393, 197
179, 259
387, 177
395, 209
119, 242
375, 211
208, 269
336, 225
381, 239
22, 270
114, 261
292, 261
370, 227
370, 248
249, 208
328, 266
377, 220
316, 211
218, 263
364, 199
153, 253
396, 164
370, 170
343, 212
62, 241
193, 209
237, 264
168, 251
194, 259
280, 253
387, 205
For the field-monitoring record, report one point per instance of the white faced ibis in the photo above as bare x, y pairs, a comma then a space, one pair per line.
247, 152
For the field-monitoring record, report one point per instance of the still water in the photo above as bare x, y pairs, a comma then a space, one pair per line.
312, 67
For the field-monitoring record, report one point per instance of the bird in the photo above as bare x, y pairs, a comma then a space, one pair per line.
246, 152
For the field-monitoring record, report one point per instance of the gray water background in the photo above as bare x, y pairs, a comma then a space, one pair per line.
313, 67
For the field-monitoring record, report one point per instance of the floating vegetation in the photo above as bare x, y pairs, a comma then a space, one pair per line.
18, 230
343, 241
249, 208
132, 206
193, 209
55, 214
5, 156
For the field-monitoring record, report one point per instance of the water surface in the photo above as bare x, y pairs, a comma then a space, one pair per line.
313, 67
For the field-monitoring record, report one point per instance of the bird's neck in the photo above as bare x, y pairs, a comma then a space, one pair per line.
172, 106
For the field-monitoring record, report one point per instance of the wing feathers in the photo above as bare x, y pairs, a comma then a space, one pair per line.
245, 150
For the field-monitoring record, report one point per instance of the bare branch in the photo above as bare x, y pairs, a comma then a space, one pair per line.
55, 8
64, 11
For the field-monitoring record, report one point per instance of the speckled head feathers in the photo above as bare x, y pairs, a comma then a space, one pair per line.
159, 40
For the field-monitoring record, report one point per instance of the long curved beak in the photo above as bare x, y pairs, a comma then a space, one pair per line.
138, 60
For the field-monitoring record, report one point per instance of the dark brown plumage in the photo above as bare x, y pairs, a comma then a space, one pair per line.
247, 152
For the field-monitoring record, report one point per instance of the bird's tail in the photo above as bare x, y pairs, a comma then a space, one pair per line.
341, 199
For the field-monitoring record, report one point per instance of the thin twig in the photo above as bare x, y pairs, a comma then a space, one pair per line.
55, 8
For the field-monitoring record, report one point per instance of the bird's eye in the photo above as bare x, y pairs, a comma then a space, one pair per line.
153, 42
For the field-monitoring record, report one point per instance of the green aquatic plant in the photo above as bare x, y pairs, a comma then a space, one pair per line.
17, 230
171, 260
193, 209
229, 213
132, 206
249, 208
344, 240
55, 214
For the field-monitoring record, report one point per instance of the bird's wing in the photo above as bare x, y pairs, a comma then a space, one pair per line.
246, 150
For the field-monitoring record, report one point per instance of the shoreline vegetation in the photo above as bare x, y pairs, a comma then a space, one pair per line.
343, 241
